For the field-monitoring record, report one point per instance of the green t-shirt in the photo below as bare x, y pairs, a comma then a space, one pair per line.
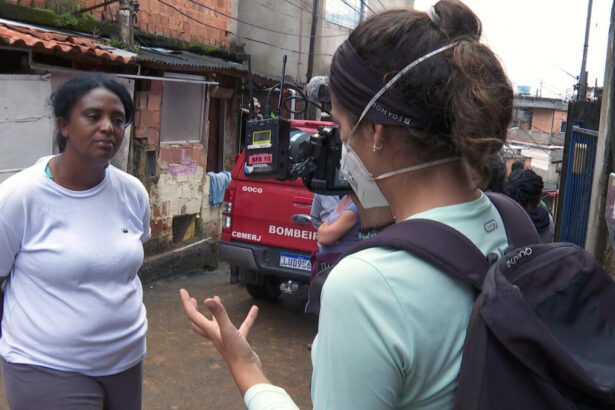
392, 327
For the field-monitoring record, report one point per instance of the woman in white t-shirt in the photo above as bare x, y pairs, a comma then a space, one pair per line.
420, 104
72, 229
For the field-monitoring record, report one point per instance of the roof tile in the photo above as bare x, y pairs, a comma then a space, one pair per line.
31, 37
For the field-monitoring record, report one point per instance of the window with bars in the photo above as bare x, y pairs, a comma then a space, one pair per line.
182, 110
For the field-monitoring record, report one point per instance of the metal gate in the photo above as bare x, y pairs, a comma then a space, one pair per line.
579, 178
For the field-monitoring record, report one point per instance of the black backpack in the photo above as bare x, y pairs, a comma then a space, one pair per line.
542, 331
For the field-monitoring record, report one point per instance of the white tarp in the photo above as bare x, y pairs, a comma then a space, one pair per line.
27, 126
26, 123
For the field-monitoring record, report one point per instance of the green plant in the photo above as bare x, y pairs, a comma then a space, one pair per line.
63, 6
82, 22
117, 42
67, 19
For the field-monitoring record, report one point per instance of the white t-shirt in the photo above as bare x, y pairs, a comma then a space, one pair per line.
73, 301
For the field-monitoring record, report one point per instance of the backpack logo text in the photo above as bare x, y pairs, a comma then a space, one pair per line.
517, 257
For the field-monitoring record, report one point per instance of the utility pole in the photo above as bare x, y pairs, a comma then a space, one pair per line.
597, 242
300, 44
124, 16
310, 64
361, 10
582, 87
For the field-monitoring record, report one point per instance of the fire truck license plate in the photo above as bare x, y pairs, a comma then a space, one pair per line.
289, 260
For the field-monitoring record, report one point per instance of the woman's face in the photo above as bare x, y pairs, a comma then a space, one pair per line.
95, 127
360, 142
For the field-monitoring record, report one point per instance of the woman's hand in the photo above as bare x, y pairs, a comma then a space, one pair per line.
242, 361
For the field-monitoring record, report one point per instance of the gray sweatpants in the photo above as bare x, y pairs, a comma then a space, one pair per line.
32, 388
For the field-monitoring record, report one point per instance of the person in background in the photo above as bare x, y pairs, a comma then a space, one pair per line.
336, 234
322, 206
421, 104
497, 174
525, 187
72, 229
518, 164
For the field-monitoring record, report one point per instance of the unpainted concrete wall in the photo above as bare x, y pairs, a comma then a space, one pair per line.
327, 45
543, 163
285, 18
288, 18
544, 149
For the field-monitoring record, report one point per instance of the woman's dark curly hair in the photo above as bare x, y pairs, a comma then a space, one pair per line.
71, 91
463, 93
525, 186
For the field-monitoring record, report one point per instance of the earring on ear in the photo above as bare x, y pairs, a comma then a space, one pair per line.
377, 147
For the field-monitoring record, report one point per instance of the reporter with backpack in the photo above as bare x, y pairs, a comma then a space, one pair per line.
420, 104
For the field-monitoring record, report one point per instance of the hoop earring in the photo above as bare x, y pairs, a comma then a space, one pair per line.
377, 147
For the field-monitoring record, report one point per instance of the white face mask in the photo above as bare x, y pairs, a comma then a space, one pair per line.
360, 179
363, 183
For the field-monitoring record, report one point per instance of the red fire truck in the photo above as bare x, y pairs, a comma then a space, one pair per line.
267, 234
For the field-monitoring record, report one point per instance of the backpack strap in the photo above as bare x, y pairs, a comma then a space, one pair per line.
520, 229
434, 242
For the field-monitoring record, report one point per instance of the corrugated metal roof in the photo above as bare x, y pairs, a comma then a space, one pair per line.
186, 59
22, 35
26, 35
177, 58
523, 101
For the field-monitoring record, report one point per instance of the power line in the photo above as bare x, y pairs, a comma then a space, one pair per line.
552, 90
275, 10
263, 28
368, 7
552, 134
237, 35
538, 145
304, 3
290, 15
382, 5
298, 6
353, 8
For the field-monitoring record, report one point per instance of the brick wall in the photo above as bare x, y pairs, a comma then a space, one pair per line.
560, 116
546, 120
177, 187
156, 18
147, 116
180, 186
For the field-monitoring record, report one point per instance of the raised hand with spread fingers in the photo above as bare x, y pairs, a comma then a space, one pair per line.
242, 361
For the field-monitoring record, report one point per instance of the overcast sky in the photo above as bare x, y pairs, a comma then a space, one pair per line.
542, 40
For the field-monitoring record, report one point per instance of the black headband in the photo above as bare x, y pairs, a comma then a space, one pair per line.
354, 85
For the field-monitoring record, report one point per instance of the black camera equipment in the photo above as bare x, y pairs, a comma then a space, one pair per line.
271, 151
